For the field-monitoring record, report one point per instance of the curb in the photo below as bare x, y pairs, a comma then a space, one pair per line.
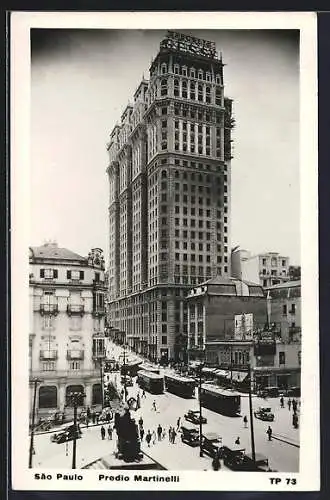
286, 440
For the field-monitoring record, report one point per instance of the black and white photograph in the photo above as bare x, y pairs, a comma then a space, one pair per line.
164, 264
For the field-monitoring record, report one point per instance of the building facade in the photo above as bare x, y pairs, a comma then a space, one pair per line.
169, 205
67, 343
267, 269
236, 326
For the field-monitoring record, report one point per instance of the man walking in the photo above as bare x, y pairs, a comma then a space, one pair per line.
102, 432
245, 420
153, 435
110, 432
289, 404
154, 406
282, 402
173, 435
170, 434
159, 432
148, 438
141, 433
269, 432
140, 422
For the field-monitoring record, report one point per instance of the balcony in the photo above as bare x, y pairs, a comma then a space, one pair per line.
48, 355
48, 309
74, 354
75, 309
98, 311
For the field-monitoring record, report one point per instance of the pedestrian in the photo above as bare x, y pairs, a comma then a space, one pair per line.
88, 413
153, 435
93, 417
170, 434
216, 462
269, 432
178, 423
102, 432
282, 402
237, 441
294, 405
159, 432
154, 406
295, 420
173, 435
122, 392
245, 420
289, 404
110, 430
143, 394
141, 433
164, 433
148, 438
138, 402
97, 418
140, 422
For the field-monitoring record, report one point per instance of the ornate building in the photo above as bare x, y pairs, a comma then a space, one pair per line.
169, 183
67, 312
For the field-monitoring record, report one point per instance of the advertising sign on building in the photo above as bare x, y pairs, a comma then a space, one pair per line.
243, 326
265, 344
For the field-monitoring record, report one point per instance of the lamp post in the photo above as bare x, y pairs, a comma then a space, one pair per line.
200, 411
124, 372
35, 381
76, 398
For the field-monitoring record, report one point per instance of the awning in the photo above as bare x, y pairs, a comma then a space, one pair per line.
222, 373
208, 370
239, 376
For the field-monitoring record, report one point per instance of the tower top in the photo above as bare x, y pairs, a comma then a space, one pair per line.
189, 44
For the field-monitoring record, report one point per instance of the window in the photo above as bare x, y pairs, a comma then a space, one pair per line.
293, 308
285, 310
283, 263
48, 273
281, 356
164, 339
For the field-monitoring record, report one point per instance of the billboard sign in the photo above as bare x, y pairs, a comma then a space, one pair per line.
243, 326
265, 344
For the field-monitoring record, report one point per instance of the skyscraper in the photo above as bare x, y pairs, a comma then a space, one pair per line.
169, 205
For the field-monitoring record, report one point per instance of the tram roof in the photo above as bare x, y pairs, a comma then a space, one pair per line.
150, 374
219, 390
179, 377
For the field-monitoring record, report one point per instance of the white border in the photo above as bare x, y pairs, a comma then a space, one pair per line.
308, 479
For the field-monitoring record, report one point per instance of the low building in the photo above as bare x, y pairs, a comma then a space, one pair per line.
267, 268
67, 341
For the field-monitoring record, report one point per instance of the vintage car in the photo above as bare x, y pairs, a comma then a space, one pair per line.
211, 444
194, 417
264, 414
66, 433
270, 392
190, 435
238, 460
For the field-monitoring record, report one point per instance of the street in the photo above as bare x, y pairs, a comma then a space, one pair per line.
282, 451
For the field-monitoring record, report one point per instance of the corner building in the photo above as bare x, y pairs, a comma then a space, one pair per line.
169, 207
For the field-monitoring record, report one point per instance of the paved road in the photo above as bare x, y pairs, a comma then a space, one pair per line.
282, 456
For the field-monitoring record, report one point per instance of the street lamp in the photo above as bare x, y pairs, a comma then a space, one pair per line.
200, 411
76, 398
251, 415
35, 381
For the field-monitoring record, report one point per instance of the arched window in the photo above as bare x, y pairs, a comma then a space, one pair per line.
184, 89
200, 92
184, 70
208, 76
218, 97
192, 90
163, 69
208, 94
192, 73
218, 79
200, 75
176, 174
48, 396
71, 389
96, 394
164, 174
176, 69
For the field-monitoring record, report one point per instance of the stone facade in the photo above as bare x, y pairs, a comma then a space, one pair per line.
169, 206
67, 313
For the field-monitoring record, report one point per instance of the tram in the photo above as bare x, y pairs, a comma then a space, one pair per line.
151, 382
130, 368
220, 400
181, 386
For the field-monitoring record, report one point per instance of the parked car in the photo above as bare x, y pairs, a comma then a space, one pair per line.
232, 458
264, 414
211, 444
259, 465
66, 433
190, 435
194, 417
270, 392
294, 392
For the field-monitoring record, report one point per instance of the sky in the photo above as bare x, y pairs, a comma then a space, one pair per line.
81, 81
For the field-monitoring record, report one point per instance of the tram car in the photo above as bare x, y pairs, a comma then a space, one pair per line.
179, 385
151, 382
221, 400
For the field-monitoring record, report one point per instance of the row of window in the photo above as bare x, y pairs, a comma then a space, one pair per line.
70, 274
191, 72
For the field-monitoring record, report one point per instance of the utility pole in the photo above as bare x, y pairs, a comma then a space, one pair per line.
200, 412
76, 399
125, 374
251, 416
102, 382
31, 452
